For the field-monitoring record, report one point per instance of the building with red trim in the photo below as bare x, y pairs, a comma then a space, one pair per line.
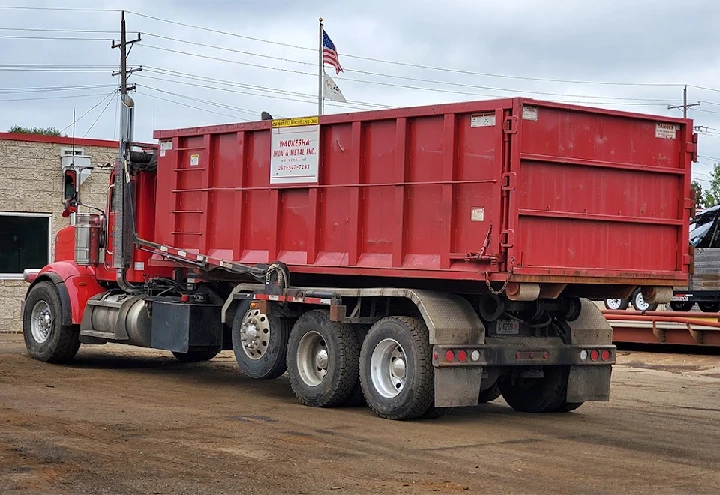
31, 184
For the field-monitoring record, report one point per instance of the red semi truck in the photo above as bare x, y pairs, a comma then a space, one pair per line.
417, 259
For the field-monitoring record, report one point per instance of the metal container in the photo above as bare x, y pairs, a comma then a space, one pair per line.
88, 229
513, 189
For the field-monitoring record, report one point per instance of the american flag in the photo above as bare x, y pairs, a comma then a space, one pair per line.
330, 55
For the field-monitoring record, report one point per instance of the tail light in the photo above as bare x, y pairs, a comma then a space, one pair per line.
595, 355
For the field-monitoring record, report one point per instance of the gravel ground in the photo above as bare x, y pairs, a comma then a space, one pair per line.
123, 420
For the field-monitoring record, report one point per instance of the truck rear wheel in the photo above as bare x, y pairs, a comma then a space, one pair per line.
489, 394
396, 370
260, 342
322, 360
539, 395
46, 338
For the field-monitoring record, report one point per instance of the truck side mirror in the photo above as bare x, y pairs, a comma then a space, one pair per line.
70, 191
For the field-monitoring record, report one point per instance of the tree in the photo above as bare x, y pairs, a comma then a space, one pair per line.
699, 199
47, 131
711, 196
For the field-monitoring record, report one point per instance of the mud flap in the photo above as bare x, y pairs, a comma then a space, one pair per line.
589, 383
457, 387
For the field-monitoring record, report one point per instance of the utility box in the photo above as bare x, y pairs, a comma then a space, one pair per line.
180, 327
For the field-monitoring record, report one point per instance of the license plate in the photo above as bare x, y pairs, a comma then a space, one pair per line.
507, 327
682, 298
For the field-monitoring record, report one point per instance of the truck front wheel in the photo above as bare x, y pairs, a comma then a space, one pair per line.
539, 395
46, 338
260, 342
322, 360
396, 370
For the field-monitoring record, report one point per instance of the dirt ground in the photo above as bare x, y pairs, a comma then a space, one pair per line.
123, 420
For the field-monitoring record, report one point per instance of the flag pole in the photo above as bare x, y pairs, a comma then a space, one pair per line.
320, 71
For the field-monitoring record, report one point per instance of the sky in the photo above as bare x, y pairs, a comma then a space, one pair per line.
243, 57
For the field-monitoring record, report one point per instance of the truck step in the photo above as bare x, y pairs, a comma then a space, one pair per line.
98, 335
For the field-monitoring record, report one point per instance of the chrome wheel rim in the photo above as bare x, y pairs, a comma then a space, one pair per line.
312, 359
388, 368
255, 334
41, 322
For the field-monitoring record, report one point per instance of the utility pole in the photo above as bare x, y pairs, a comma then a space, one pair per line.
685, 104
123, 232
125, 47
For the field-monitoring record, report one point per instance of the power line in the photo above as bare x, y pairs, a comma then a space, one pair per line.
405, 78
187, 105
206, 102
364, 81
91, 109
263, 89
54, 38
59, 66
418, 66
705, 111
4, 91
55, 9
218, 31
405, 86
704, 88
61, 30
98, 117
228, 90
59, 97
56, 68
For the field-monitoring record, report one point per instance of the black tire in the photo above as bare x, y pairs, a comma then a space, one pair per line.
342, 351
681, 305
539, 395
568, 406
709, 307
416, 397
357, 398
617, 304
638, 302
63, 341
273, 362
489, 394
196, 355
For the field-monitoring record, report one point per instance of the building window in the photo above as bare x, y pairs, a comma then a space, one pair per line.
72, 152
24, 244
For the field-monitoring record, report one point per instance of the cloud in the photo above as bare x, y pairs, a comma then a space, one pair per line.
640, 41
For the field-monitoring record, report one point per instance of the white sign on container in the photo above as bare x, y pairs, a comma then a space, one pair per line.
665, 131
295, 150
